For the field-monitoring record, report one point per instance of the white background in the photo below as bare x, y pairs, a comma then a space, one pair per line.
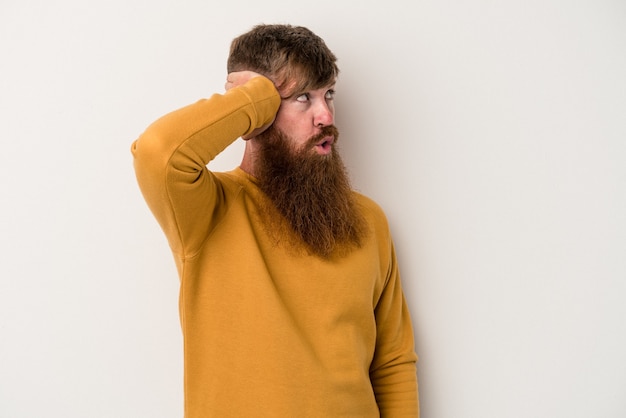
493, 133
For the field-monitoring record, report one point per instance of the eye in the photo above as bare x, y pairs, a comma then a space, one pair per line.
330, 95
303, 98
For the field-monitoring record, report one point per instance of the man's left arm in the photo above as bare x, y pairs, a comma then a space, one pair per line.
393, 370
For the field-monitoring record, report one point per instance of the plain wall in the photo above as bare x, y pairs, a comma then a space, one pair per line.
492, 133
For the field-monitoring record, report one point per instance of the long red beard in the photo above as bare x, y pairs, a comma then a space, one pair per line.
312, 192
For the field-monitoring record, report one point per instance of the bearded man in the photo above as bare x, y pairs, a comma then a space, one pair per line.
290, 302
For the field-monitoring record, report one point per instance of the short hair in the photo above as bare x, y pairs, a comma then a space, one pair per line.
285, 54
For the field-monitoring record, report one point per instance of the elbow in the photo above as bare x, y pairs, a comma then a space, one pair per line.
149, 152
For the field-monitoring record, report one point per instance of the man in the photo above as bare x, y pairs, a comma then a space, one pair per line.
290, 301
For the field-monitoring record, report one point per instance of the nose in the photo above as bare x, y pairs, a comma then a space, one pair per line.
324, 115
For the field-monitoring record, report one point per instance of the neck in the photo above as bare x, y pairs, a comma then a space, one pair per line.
247, 163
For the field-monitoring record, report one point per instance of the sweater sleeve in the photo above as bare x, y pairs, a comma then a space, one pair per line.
170, 159
393, 370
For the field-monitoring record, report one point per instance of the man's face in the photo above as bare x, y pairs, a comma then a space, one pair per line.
300, 170
302, 116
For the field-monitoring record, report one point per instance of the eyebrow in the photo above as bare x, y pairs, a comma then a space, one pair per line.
327, 87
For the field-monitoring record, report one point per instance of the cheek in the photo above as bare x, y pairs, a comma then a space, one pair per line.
291, 127
288, 114
281, 123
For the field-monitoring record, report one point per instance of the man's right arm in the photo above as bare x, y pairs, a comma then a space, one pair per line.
170, 158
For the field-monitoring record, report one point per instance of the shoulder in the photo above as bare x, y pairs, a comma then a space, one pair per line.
237, 182
373, 213
368, 204
231, 182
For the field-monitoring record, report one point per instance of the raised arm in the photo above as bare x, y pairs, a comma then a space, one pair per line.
170, 158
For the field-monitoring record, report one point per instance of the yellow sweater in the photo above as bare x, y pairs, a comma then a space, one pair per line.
269, 333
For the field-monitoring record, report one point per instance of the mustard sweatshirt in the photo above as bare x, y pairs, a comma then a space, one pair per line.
268, 332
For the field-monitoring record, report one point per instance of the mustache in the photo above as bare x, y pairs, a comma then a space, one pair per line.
330, 130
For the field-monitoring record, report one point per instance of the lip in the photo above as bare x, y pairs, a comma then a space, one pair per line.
325, 145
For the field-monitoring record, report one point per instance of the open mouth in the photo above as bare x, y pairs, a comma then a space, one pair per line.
325, 146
